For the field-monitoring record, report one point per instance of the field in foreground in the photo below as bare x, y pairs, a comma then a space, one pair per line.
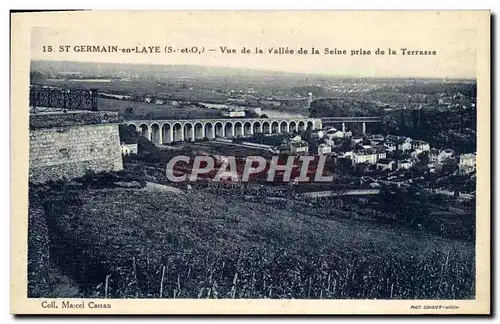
154, 244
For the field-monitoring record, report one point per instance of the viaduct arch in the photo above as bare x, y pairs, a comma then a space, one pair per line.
169, 131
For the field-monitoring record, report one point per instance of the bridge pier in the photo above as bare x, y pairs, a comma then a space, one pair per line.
146, 132
171, 135
199, 131
160, 137
189, 133
231, 132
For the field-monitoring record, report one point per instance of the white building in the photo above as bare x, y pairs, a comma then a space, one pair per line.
324, 149
385, 164
381, 155
421, 146
295, 146
299, 147
376, 137
366, 156
128, 149
357, 140
445, 154
390, 146
233, 113
433, 156
400, 143
334, 133
467, 163
405, 164
436, 156
404, 145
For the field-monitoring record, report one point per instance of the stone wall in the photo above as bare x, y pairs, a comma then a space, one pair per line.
68, 145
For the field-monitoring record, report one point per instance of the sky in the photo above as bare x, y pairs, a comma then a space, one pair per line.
453, 35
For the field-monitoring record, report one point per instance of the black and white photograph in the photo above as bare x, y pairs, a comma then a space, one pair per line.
282, 165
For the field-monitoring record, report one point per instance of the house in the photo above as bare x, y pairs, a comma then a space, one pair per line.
348, 155
381, 151
394, 138
128, 149
433, 156
295, 146
159, 102
376, 137
401, 143
386, 164
368, 156
357, 140
330, 130
339, 134
421, 146
390, 146
467, 163
148, 99
436, 156
334, 133
329, 142
405, 164
233, 113
324, 149
404, 145
319, 134
446, 154
415, 153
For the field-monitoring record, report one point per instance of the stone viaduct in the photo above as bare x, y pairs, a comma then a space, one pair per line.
169, 131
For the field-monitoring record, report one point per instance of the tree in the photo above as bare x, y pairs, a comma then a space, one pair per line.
408, 206
423, 158
259, 138
129, 112
36, 77
449, 166
128, 134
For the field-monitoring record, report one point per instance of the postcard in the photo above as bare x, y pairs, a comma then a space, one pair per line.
250, 162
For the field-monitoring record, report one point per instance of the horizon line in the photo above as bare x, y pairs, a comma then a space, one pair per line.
270, 71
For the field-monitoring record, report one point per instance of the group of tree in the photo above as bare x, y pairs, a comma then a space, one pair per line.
453, 128
337, 107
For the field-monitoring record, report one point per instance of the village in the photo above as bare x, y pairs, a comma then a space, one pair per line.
354, 162
388, 160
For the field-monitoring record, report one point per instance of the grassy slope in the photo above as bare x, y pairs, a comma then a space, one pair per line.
206, 241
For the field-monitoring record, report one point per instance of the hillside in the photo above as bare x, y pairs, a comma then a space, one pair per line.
204, 244
161, 71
